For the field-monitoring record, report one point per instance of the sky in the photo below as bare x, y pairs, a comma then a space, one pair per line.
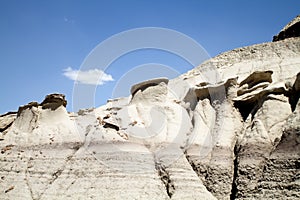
46, 46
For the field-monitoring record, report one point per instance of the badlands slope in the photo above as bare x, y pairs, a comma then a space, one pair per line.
228, 129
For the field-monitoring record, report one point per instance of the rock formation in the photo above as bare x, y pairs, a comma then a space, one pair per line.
228, 129
290, 30
6, 120
52, 101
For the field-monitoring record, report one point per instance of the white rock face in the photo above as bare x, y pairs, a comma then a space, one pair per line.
228, 129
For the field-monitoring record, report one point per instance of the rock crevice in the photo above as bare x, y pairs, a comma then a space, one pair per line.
236, 137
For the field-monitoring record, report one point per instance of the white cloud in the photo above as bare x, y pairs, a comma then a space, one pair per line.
90, 77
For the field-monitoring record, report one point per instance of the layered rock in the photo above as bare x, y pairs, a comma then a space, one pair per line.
228, 129
290, 30
267, 75
6, 120
280, 175
51, 101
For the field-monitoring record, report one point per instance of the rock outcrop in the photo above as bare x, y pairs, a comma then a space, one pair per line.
6, 120
51, 101
228, 129
290, 30
142, 86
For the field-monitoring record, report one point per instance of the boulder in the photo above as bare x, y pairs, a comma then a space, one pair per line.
145, 84
53, 101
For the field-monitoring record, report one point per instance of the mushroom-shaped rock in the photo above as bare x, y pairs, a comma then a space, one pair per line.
257, 77
253, 96
248, 101
53, 101
244, 89
145, 84
214, 91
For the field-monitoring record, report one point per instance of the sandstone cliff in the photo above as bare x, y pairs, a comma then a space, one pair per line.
228, 129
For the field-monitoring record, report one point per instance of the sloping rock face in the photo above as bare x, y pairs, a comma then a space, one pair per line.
290, 30
6, 120
280, 175
228, 129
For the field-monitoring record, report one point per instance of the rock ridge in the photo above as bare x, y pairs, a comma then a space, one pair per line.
228, 129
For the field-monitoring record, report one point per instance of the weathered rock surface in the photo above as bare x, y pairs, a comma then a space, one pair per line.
290, 30
142, 86
6, 120
280, 175
51, 101
228, 129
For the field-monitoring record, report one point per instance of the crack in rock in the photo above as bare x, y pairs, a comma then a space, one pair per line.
165, 177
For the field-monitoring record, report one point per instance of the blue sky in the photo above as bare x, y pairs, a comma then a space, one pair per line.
43, 40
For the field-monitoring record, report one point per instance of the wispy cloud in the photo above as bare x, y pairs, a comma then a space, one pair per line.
68, 20
90, 77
